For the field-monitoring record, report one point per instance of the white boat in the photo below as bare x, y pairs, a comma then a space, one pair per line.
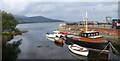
78, 50
52, 39
84, 58
55, 33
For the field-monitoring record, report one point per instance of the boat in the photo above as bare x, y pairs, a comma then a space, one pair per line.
58, 40
58, 44
84, 58
55, 33
89, 39
63, 33
78, 49
70, 35
51, 39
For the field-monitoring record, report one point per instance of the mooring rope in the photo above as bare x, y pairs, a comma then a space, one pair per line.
113, 48
110, 46
104, 49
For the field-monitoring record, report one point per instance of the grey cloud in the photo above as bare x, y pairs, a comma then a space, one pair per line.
70, 11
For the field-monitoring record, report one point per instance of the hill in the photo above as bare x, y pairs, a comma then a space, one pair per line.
35, 19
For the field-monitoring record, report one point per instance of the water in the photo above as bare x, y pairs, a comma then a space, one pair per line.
36, 37
47, 49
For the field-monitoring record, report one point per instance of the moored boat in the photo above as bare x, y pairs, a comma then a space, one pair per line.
78, 49
89, 40
58, 40
59, 44
55, 33
51, 39
84, 58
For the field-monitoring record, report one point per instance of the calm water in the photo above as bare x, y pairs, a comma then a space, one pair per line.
48, 49
36, 37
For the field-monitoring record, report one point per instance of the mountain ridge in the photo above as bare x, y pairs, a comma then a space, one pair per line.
35, 19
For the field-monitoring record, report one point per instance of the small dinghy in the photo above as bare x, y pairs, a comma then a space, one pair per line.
83, 58
78, 49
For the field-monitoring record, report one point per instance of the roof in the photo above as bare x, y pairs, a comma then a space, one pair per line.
90, 31
114, 18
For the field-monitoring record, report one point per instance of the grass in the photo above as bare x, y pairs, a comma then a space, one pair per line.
113, 39
7, 36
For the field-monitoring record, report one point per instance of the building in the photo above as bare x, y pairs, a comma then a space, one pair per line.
108, 19
116, 23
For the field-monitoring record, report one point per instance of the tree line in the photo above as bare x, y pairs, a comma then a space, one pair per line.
8, 22
10, 50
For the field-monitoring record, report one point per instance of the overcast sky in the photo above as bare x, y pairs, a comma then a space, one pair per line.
67, 10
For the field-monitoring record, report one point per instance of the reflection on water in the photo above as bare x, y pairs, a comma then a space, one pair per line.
51, 39
97, 56
92, 55
10, 51
56, 43
35, 45
79, 56
59, 44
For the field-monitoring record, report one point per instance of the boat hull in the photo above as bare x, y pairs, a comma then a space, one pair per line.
84, 58
100, 45
53, 35
59, 44
59, 40
84, 53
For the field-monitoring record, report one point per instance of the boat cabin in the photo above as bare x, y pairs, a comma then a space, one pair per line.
89, 34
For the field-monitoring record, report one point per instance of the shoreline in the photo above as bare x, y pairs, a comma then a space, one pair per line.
7, 36
36, 22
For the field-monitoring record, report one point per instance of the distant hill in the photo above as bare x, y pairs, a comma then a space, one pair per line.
35, 19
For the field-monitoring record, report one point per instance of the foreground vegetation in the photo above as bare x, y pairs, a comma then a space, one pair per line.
115, 40
10, 50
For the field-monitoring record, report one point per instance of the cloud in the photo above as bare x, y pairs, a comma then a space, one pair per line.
14, 7
60, 0
69, 11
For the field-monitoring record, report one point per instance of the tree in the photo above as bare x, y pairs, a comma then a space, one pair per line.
8, 22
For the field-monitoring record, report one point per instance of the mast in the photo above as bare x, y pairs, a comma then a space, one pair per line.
86, 22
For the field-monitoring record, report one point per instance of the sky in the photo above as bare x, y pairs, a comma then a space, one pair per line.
67, 10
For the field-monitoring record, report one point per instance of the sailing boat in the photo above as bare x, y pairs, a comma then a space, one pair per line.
89, 39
